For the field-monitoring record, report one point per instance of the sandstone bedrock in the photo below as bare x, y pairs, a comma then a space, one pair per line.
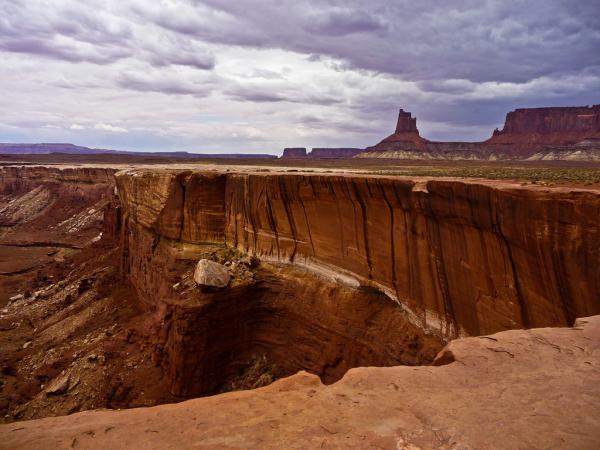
534, 389
461, 257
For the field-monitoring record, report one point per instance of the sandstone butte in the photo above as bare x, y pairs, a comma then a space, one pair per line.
553, 133
467, 262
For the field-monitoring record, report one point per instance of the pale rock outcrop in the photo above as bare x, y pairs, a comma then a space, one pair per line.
211, 274
536, 388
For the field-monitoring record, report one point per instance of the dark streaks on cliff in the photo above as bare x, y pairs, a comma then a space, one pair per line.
467, 257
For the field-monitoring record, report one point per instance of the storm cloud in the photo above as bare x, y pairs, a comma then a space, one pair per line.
259, 75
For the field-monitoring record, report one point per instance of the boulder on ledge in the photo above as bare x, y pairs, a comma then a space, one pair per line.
211, 274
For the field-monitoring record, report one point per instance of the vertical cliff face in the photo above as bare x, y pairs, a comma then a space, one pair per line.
353, 271
583, 119
293, 319
406, 123
459, 256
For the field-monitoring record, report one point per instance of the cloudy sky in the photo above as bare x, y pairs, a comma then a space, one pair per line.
260, 75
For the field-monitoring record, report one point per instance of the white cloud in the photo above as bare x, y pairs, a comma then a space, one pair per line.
107, 127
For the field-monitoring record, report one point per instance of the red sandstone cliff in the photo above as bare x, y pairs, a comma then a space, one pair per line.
472, 257
460, 256
548, 126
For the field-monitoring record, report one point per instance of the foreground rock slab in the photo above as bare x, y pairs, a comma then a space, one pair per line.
536, 388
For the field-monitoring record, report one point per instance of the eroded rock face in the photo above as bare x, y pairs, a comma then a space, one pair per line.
406, 123
211, 274
460, 257
584, 120
353, 271
547, 378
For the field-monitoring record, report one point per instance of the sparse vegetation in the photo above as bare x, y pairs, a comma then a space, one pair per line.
579, 175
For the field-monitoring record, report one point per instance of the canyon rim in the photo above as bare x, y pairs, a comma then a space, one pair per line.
209, 239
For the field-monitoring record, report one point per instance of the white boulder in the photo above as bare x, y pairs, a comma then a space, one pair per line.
210, 273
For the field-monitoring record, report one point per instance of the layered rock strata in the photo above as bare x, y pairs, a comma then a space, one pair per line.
38, 204
356, 271
460, 257
296, 320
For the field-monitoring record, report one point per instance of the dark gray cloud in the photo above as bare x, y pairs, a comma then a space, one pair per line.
341, 22
477, 40
463, 39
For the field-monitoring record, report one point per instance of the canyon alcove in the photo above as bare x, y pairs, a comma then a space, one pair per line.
328, 272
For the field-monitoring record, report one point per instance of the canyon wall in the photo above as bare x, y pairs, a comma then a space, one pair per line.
461, 257
47, 205
354, 270
14, 179
295, 320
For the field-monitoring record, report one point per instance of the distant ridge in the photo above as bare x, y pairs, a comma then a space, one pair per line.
66, 148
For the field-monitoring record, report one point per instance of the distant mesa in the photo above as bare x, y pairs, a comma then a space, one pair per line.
320, 153
294, 153
562, 126
556, 133
334, 153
